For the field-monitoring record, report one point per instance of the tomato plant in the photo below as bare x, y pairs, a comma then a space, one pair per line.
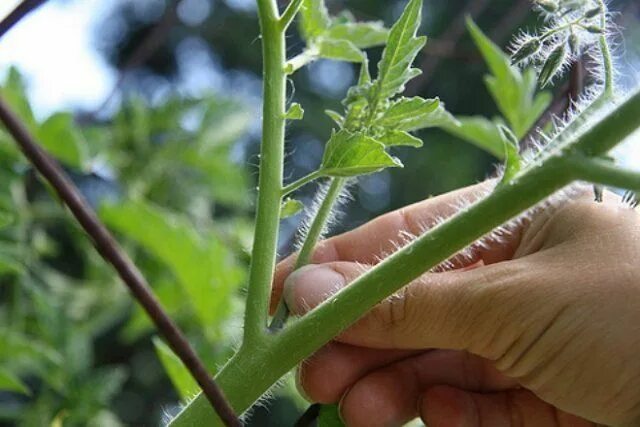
377, 117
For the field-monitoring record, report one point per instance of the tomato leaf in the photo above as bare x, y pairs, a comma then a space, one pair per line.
513, 91
394, 69
340, 50
351, 154
361, 34
314, 19
295, 112
290, 207
481, 132
397, 137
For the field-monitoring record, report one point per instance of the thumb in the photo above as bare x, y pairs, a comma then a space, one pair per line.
471, 310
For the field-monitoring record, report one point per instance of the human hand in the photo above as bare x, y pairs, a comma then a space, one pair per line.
540, 330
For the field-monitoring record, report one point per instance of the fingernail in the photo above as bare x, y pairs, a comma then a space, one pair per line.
309, 286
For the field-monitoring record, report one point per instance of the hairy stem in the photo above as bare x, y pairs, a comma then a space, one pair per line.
263, 257
245, 378
605, 49
604, 172
314, 234
290, 13
300, 183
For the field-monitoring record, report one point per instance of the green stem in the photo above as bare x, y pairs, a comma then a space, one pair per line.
314, 234
289, 14
300, 183
605, 49
263, 257
252, 372
600, 171
309, 55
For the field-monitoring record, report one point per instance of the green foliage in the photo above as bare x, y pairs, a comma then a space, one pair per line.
513, 91
290, 207
180, 377
10, 382
338, 38
204, 267
295, 112
394, 69
163, 183
480, 131
511, 153
375, 118
351, 154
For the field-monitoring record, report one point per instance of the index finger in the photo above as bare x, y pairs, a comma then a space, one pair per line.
375, 240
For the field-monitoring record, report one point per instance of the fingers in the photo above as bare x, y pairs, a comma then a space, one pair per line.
374, 240
445, 406
390, 395
326, 376
459, 310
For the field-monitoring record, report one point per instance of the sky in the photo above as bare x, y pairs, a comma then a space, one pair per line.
52, 48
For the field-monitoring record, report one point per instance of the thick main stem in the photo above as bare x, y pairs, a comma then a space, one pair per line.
271, 165
245, 378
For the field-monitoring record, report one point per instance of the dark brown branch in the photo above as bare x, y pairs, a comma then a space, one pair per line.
309, 416
23, 9
111, 251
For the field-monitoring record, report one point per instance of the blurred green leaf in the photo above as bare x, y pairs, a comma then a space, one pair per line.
179, 375
339, 50
6, 219
290, 207
314, 19
361, 34
9, 265
59, 136
481, 132
10, 382
352, 154
295, 112
513, 91
203, 265
14, 91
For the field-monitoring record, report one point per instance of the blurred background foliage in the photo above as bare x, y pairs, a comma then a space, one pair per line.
169, 161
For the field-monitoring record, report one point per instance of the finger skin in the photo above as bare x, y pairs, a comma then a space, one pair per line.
445, 406
390, 395
327, 374
439, 310
380, 237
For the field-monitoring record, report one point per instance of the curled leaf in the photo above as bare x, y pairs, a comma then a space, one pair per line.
295, 112
290, 207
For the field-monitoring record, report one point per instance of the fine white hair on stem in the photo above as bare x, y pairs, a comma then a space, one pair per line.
334, 217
